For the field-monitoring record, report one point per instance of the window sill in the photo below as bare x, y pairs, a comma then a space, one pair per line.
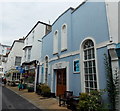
55, 53
76, 72
63, 50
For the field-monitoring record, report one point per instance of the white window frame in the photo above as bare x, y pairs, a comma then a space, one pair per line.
25, 54
82, 65
55, 42
64, 38
29, 54
90, 75
16, 62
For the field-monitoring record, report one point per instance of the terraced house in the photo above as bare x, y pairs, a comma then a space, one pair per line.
73, 53
4, 49
32, 51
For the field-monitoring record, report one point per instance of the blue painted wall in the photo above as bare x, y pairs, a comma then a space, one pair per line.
88, 20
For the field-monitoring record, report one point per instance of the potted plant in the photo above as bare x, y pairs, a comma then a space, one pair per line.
30, 89
45, 90
38, 89
90, 101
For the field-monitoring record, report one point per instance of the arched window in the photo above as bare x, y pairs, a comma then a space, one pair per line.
46, 69
89, 66
64, 38
55, 42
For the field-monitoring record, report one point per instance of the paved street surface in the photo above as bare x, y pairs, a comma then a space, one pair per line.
11, 100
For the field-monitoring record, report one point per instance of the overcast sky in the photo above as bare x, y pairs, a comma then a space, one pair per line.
18, 18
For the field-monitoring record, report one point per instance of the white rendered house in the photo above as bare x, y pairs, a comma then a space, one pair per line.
32, 50
15, 56
4, 49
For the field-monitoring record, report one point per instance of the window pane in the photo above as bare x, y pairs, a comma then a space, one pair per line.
94, 63
86, 70
90, 64
89, 54
87, 90
90, 70
95, 77
86, 77
91, 84
94, 70
91, 77
86, 84
95, 83
85, 64
17, 61
85, 55
92, 51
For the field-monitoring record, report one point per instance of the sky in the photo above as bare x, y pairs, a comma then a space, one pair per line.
18, 18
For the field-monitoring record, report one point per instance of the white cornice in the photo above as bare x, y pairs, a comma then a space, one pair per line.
100, 45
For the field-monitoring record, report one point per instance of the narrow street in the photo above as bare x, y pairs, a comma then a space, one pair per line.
11, 100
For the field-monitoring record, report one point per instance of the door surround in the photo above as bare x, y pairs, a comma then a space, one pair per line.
59, 65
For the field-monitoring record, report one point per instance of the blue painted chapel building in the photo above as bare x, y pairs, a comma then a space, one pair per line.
73, 52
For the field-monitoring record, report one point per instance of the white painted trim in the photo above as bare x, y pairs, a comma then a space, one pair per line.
55, 48
35, 79
96, 63
65, 55
64, 48
45, 68
111, 46
108, 21
102, 44
82, 66
97, 46
59, 65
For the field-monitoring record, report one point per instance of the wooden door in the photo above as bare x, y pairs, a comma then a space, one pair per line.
61, 81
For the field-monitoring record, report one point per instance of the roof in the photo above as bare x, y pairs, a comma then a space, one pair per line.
20, 40
5, 45
80, 5
63, 14
73, 10
35, 26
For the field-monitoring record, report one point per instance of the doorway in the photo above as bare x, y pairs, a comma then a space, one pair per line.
61, 81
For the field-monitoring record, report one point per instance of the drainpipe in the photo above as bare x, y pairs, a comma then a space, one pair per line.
36, 74
108, 19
